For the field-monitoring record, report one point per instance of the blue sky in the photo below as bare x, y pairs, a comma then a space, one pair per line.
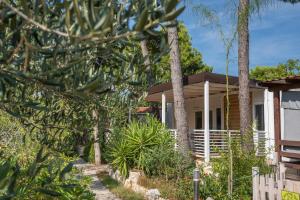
274, 35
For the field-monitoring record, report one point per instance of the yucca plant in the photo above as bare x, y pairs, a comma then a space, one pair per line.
121, 156
130, 148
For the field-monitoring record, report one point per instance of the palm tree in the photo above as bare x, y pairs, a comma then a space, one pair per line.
179, 102
243, 66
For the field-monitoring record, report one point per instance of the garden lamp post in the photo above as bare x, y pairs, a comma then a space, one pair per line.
196, 179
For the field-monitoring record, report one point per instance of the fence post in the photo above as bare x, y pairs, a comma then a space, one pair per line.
281, 176
196, 183
255, 183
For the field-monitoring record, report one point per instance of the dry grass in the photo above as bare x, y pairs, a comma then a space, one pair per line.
166, 188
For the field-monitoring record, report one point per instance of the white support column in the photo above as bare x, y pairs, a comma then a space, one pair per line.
163, 108
266, 122
206, 122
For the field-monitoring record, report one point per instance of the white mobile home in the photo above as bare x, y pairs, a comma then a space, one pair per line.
206, 107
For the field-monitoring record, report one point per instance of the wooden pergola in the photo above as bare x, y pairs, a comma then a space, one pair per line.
278, 86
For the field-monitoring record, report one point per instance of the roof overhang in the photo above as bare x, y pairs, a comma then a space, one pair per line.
286, 83
193, 86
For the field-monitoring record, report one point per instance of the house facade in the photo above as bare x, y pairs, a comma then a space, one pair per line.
205, 100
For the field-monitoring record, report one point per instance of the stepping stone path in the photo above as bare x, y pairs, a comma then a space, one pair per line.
101, 192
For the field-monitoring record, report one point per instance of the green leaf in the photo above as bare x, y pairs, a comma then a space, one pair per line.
39, 154
92, 11
92, 86
13, 179
49, 192
78, 14
67, 169
142, 20
4, 170
103, 19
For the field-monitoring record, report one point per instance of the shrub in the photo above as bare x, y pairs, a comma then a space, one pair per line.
132, 147
215, 185
48, 176
163, 160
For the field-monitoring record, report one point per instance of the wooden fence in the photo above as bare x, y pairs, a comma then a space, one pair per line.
274, 186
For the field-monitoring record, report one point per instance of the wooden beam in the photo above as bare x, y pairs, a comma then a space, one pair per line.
283, 87
292, 165
289, 154
277, 123
290, 143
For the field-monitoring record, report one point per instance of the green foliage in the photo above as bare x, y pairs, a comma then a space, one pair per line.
48, 176
190, 58
265, 73
215, 185
73, 48
131, 147
89, 153
59, 60
11, 135
163, 160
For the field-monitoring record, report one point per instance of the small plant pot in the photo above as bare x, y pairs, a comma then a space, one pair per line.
80, 150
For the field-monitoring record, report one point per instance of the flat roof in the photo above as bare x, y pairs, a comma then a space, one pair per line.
285, 83
201, 77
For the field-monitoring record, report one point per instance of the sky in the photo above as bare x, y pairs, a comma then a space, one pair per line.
274, 34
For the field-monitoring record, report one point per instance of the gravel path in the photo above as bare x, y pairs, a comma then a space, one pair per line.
96, 186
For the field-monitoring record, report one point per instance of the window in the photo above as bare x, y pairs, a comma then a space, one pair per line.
198, 120
219, 118
259, 117
210, 119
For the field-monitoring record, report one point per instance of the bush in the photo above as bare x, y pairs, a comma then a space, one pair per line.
137, 143
163, 160
48, 176
216, 184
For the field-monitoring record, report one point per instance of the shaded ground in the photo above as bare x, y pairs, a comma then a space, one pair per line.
101, 192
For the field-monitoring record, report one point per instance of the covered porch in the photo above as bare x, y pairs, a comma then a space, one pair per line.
205, 99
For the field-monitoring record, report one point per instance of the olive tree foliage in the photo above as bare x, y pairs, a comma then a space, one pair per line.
60, 59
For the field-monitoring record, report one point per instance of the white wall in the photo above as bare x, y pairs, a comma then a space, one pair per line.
266, 98
197, 104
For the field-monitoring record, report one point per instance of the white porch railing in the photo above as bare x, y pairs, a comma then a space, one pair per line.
174, 135
218, 141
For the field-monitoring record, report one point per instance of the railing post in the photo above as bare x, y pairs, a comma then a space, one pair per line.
206, 122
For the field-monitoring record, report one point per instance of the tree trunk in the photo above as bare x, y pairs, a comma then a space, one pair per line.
243, 64
147, 63
179, 102
96, 138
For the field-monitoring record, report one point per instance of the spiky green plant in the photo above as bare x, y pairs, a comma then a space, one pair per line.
130, 147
